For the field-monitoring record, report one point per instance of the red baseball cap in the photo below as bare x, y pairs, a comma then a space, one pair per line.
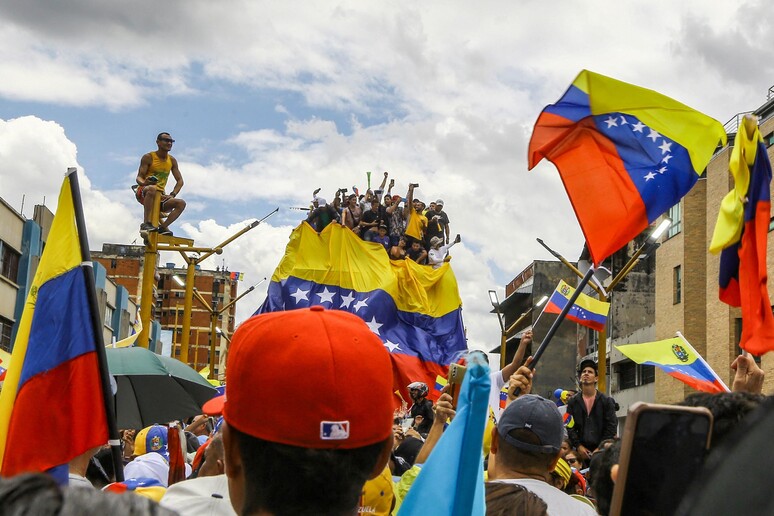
310, 377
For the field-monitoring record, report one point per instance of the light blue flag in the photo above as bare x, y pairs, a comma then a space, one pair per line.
452, 480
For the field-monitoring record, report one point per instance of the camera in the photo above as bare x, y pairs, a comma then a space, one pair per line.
152, 180
343, 190
415, 185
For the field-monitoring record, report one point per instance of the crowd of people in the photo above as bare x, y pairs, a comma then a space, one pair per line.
317, 432
406, 227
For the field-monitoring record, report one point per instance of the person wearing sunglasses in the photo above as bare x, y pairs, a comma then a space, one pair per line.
155, 169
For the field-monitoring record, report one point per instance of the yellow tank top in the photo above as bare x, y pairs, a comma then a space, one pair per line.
160, 169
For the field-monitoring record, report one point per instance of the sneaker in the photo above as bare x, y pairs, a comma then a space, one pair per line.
164, 231
147, 226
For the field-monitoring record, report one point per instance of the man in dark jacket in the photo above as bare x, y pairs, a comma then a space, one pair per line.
593, 413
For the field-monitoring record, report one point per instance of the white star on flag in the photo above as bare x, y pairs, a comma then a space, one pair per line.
326, 296
611, 122
654, 135
360, 304
650, 176
623, 120
638, 127
391, 346
347, 300
665, 147
667, 158
662, 170
373, 325
299, 295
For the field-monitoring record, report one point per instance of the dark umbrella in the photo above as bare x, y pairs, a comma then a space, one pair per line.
154, 389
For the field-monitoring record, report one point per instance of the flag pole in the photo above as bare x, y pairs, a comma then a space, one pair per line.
91, 293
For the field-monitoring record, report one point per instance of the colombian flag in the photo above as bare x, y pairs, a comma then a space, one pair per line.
586, 311
742, 233
625, 155
677, 358
415, 309
51, 406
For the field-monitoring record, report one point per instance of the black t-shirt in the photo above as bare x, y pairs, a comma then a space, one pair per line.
379, 216
423, 408
435, 227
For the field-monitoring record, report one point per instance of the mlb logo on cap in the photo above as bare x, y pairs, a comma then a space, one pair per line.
334, 430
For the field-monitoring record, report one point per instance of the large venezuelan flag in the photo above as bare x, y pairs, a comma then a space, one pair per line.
51, 405
625, 155
415, 309
677, 358
586, 310
743, 272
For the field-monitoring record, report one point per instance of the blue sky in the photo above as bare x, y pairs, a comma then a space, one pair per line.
269, 100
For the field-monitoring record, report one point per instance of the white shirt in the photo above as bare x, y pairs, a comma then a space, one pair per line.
497, 383
559, 503
435, 257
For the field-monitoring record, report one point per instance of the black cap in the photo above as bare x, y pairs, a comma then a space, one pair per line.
588, 363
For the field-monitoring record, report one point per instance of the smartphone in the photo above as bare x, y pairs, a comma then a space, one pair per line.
662, 449
456, 375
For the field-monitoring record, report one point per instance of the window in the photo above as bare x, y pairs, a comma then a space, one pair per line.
5, 333
648, 374
628, 375
677, 285
113, 263
9, 261
109, 315
675, 213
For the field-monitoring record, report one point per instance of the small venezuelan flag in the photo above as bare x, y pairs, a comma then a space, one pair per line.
586, 311
677, 358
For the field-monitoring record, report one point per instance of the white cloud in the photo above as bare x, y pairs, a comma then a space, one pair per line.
437, 93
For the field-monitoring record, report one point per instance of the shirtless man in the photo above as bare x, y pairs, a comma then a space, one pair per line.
155, 168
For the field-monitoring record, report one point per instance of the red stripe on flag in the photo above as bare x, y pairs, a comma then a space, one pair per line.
407, 369
68, 396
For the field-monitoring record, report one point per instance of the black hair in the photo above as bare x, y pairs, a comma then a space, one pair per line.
600, 483
162, 134
728, 409
519, 459
504, 499
284, 479
38, 494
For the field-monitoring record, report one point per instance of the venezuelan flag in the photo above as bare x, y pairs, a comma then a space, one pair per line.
440, 383
415, 309
503, 397
677, 358
625, 155
51, 404
5, 359
742, 234
586, 310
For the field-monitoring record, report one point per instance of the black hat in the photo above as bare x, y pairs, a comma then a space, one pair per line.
588, 363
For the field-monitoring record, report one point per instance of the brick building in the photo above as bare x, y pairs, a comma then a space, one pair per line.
124, 265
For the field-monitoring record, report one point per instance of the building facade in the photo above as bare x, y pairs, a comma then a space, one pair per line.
21, 245
124, 265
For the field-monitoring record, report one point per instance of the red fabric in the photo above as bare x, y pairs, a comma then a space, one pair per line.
608, 206
49, 402
199, 457
407, 369
757, 319
176, 459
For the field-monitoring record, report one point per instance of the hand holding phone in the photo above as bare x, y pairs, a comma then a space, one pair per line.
662, 449
456, 375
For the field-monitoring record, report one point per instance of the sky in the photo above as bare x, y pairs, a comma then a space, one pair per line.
269, 100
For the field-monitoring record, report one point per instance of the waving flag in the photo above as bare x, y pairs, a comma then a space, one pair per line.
586, 311
52, 407
414, 309
5, 359
742, 232
625, 155
451, 482
677, 358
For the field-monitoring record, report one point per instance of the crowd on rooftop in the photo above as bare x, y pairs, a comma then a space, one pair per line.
406, 227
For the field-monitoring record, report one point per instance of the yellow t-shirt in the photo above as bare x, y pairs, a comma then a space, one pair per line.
415, 224
161, 169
